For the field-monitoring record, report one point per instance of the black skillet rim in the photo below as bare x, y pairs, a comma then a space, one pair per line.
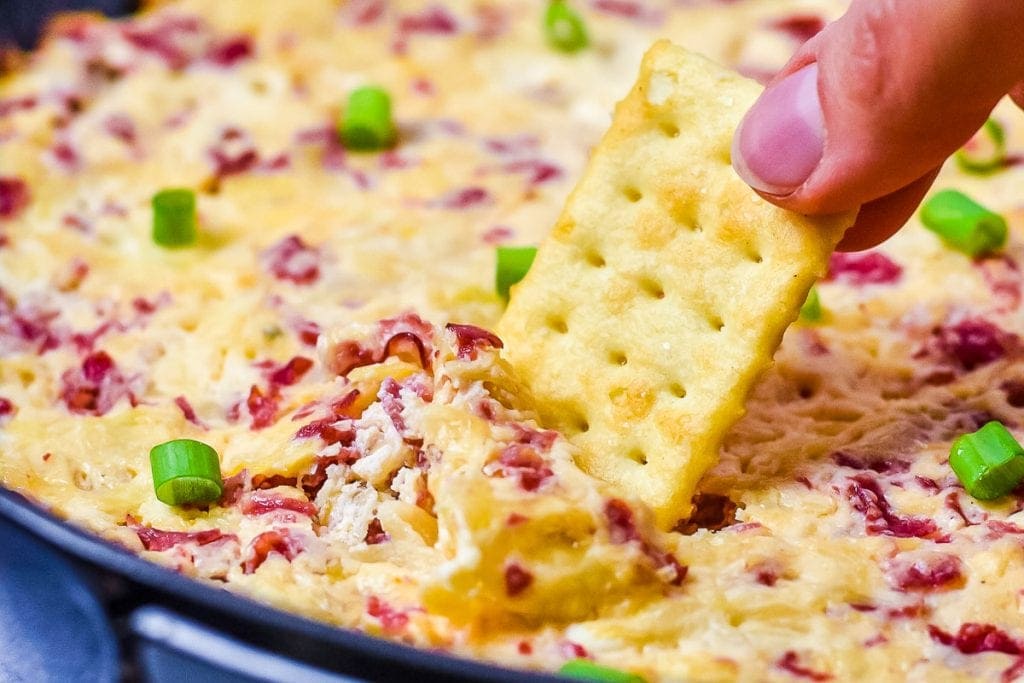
279, 632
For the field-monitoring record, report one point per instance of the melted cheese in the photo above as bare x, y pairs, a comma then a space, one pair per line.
810, 576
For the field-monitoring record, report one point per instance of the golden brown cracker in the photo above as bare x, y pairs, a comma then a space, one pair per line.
665, 287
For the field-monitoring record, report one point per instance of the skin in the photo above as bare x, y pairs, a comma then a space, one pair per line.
902, 84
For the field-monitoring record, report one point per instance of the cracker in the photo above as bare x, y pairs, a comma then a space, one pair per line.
664, 288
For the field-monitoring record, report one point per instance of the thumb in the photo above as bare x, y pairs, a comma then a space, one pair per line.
869, 108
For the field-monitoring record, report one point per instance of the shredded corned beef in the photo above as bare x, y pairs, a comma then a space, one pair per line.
407, 336
434, 20
14, 197
279, 541
375, 533
465, 198
96, 386
288, 373
865, 496
629, 9
863, 268
293, 260
261, 502
969, 344
391, 620
230, 51
882, 465
790, 663
469, 339
926, 573
158, 540
522, 462
517, 579
973, 638
187, 411
622, 528
7, 409
262, 408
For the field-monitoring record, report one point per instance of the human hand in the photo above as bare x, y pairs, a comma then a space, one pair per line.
865, 112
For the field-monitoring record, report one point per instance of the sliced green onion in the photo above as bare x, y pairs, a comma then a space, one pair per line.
564, 27
989, 462
513, 264
985, 151
366, 123
586, 670
963, 224
185, 471
811, 310
174, 217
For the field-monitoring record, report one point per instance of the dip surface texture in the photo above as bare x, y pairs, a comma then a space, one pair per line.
328, 336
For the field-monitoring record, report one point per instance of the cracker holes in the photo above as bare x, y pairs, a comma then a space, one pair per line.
637, 455
669, 129
595, 259
677, 390
632, 194
617, 358
716, 323
652, 288
579, 425
557, 323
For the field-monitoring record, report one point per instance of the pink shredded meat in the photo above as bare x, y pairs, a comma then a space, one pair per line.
262, 408
969, 344
523, 463
261, 502
465, 198
391, 620
229, 52
96, 386
790, 662
927, 573
622, 528
469, 339
158, 540
6, 409
866, 497
864, 268
407, 336
973, 638
293, 260
276, 541
375, 533
517, 579
628, 9
14, 197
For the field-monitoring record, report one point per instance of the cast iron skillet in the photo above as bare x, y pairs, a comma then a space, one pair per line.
76, 608
71, 603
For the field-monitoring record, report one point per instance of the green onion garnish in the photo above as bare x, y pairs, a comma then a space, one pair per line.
185, 471
985, 151
811, 310
564, 27
586, 670
964, 224
174, 217
366, 123
513, 264
989, 462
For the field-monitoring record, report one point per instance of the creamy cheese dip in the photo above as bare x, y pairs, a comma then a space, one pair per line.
328, 336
